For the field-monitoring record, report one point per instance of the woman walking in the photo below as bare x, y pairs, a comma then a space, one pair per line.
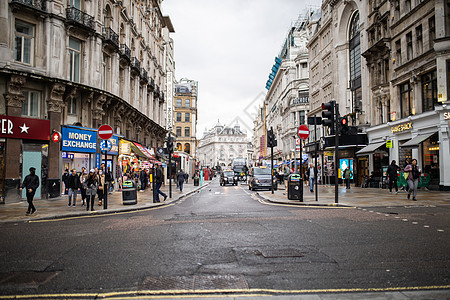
83, 178
91, 190
101, 187
413, 178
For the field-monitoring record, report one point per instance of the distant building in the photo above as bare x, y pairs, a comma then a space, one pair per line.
221, 144
185, 116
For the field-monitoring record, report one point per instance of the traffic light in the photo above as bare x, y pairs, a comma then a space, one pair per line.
271, 141
343, 126
170, 145
328, 114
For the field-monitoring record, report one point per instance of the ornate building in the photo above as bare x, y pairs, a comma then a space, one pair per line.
185, 116
78, 63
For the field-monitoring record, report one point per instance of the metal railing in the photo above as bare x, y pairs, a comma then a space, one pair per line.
111, 35
75, 15
125, 51
144, 74
135, 63
35, 4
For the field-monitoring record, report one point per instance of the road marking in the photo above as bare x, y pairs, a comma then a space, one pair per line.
415, 223
405, 220
426, 226
151, 294
100, 215
440, 230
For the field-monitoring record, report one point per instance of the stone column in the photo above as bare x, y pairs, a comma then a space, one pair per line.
55, 106
97, 111
13, 152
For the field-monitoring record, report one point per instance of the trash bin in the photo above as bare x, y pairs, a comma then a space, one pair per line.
196, 181
295, 187
129, 192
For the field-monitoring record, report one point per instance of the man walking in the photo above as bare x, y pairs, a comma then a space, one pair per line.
392, 172
30, 183
180, 179
347, 175
73, 184
312, 172
159, 178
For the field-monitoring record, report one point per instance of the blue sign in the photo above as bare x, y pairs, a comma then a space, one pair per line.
105, 145
98, 160
78, 140
114, 145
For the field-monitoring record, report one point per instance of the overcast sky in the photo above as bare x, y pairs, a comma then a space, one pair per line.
229, 47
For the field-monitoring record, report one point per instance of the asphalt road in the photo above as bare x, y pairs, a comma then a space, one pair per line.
228, 238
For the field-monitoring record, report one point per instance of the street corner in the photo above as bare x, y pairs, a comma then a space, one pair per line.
282, 199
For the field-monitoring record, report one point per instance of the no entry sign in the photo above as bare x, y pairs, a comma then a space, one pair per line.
105, 132
303, 132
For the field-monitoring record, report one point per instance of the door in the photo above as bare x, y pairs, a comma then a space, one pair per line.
32, 159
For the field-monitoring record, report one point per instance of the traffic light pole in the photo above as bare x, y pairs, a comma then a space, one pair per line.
169, 172
336, 155
316, 174
271, 166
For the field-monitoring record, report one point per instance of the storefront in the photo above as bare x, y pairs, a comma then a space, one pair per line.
424, 137
133, 156
33, 151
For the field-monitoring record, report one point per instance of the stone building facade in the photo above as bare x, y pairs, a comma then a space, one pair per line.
185, 116
81, 63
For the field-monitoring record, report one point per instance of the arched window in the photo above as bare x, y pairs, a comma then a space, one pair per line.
355, 62
107, 18
178, 146
187, 148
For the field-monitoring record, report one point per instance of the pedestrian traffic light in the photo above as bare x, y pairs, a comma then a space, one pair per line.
343, 126
271, 141
170, 145
328, 114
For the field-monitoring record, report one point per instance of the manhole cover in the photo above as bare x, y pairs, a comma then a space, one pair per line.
288, 252
195, 282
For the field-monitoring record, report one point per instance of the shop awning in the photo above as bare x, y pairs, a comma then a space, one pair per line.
370, 148
415, 141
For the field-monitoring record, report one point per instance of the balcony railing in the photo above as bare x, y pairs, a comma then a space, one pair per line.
151, 83
125, 51
136, 64
111, 36
156, 91
161, 96
144, 75
40, 5
75, 15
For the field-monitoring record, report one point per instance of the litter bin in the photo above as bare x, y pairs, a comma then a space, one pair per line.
129, 192
196, 181
295, 187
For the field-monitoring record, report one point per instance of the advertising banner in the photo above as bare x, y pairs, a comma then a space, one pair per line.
24, 128
78, 140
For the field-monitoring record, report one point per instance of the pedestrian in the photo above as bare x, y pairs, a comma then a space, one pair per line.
30, 183
180, 179
286, 174
142, 177
83, 177
186, 177
73, 184
65, 177
413, 178
101, 187
91, 190
312, 174
109, 178
347, 175
159, 178
392, 173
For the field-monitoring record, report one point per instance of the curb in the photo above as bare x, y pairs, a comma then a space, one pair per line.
115, 210
304, 203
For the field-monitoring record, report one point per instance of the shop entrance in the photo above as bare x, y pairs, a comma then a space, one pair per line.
430, 159
32, 157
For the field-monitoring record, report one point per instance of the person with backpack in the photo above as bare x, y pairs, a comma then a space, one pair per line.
73, 184
30, 183
347, 175
413, 178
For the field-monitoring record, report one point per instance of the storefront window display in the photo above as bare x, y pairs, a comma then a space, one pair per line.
430, 152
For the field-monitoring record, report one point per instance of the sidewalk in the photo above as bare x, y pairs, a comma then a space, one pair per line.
359, 197
57, 207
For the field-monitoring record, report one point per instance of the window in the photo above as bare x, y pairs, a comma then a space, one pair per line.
178, 102
178, 117
295, 117
187, 117
406, 100
178, 131
178, 146
432, 31
429, 91
24, 42
419, 40
72, 106
398, 51
355, 59
187, 131
30, 106
302, 117
187, 103
407, 6
74, 51
409, 46
75, 3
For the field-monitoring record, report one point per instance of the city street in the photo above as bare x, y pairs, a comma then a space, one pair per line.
229, 240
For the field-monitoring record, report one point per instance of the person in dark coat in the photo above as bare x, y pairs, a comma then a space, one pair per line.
392, 173
159, 179
30, 183
180, 179
92, 183
73, 184
65, 177
143, 179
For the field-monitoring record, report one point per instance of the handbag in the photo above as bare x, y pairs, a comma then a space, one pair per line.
406, 174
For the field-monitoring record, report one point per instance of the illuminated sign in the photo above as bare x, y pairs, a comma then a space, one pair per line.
402, 127
447, 115
389, 144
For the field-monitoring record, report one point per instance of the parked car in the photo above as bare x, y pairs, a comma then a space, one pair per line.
228, 177
260, 178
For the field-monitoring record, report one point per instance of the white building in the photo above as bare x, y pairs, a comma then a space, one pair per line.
221, 144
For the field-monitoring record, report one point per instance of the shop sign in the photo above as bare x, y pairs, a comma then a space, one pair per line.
125, 148
402, 127
143, 150
389, 144
447, 115
24, 128
114, 145
98, 160
79, 140
68, 155
329, 153
124, 163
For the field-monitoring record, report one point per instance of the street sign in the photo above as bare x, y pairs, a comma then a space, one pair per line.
105, 145
297, 142
105, 132
389, 144
303, 132
56, 136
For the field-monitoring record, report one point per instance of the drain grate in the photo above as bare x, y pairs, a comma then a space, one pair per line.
195, 282
276, 253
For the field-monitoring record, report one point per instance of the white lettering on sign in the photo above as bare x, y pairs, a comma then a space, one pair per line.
80, 136
79, 144
7, 126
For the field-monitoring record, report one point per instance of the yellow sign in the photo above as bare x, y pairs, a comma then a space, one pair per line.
389, 144
329, 153
401, 127
447, 115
